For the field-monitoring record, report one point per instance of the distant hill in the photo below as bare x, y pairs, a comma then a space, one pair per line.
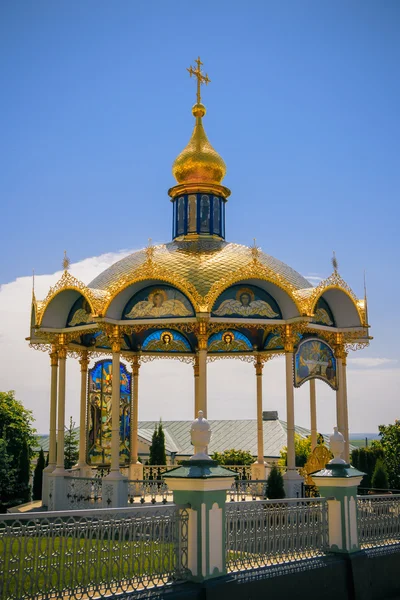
362, 436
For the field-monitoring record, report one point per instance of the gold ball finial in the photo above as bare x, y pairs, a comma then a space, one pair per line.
199, 110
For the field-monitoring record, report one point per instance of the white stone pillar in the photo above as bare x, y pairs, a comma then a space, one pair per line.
114, 487
339, 394
196, 385
62, 357
258, 468
313, 414
346, 432
202, 354
292, 478
53, 425
84, 469
135, 467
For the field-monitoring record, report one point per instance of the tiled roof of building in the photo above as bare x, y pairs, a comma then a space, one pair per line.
240, 434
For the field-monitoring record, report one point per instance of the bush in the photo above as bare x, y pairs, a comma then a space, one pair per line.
233, 457
380, 477
275, 489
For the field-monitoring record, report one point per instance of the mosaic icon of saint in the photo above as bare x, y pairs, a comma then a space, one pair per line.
166, 343
245, 305
322, 316
82, 315
159, 305
228, 343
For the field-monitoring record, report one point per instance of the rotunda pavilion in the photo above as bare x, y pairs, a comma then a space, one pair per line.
197, 298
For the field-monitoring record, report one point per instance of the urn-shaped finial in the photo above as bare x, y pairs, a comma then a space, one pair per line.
200, 433
336, 445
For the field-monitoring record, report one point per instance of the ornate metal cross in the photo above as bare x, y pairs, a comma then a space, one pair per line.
200, 77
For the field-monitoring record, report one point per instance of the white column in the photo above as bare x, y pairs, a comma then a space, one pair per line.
313, 414
53, 426
339, 394
291, 478
258, 468
135, 467
346, 432
291, 457
62, 357
115, 408
202, 384
196, 386
82, 465
53, 409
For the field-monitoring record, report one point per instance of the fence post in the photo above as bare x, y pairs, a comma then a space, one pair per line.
201, 483
338, 482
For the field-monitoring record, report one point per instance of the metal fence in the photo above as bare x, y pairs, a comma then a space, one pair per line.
247, 489
91, 554
378, 520
260, 533
83, 492
145, 491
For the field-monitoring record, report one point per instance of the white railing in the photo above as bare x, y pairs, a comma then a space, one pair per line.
378, 520
155, 471
247, 489
83, 492
145, 491
91, 554
259, 533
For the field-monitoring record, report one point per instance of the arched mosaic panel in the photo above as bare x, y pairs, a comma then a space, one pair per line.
247, 301
158, 301
165, 340
323, 314
273, 341
315, 359
99, 414
229, 341
80, 313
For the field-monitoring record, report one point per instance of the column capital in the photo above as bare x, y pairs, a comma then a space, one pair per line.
135, 364
288, 338
259, 365
54, 357
84, 361
114, 335
340, 352
62, 352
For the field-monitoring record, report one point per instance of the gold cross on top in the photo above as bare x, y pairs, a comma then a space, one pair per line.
200, 77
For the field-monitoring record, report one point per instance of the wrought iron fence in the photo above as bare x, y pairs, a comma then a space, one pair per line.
378, 520
83, 492
247, 489
153, 491
91, 554
259, 533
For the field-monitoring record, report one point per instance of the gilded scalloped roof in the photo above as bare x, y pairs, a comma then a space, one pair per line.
200, 262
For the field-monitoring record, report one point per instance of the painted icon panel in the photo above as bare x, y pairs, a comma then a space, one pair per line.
229, 341
99, 414
314, 359
166, 340
246, 301
158, 301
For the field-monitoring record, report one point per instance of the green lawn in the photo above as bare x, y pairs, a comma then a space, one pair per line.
34, 565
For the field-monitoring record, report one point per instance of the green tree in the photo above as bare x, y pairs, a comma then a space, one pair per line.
71, 452
233, 457
302, 448
380, 477
365, 459
18, 438
38, 476
275, 489
390, 441
157, 448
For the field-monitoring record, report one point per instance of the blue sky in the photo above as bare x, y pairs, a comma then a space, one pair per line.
303, 105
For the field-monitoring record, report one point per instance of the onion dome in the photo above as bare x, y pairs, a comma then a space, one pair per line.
199, 162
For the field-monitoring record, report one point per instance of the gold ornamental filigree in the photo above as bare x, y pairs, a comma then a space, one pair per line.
67, 281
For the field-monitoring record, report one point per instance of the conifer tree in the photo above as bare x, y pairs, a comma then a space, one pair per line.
38, 477
24, 474
380, 476
71, 452
161, 445
157, 448
275, 489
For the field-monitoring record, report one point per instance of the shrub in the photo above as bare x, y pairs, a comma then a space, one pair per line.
275, 489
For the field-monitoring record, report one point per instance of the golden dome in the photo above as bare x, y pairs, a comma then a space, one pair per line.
199, 162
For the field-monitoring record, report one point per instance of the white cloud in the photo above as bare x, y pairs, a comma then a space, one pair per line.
166, 386
370, 362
